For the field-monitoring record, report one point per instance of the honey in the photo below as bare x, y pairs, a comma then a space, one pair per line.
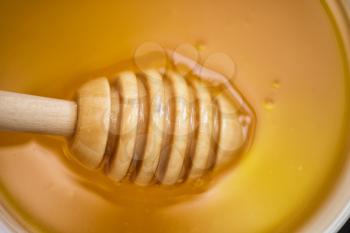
283, 56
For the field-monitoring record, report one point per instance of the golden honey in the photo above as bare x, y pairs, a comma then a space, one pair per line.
283, 56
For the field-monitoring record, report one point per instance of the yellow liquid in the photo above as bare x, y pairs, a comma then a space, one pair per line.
288, 65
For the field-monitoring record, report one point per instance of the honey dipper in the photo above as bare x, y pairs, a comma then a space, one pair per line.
149, 127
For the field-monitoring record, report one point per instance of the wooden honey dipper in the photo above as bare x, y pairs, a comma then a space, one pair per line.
149, 127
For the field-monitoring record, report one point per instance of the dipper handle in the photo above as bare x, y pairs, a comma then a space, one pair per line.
35, 114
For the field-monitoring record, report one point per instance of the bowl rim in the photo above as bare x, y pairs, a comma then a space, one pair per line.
341, 8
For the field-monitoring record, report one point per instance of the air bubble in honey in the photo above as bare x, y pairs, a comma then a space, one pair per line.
200, 46
276, 84
190, 52
149, 54
269, 103
222, 63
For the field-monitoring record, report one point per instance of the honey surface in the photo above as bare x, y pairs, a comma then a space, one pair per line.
287, 63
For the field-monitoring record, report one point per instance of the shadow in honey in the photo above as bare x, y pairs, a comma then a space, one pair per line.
14, 138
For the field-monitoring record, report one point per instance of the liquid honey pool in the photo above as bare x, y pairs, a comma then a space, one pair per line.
287, 62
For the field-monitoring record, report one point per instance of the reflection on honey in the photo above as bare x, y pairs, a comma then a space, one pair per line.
287, 63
